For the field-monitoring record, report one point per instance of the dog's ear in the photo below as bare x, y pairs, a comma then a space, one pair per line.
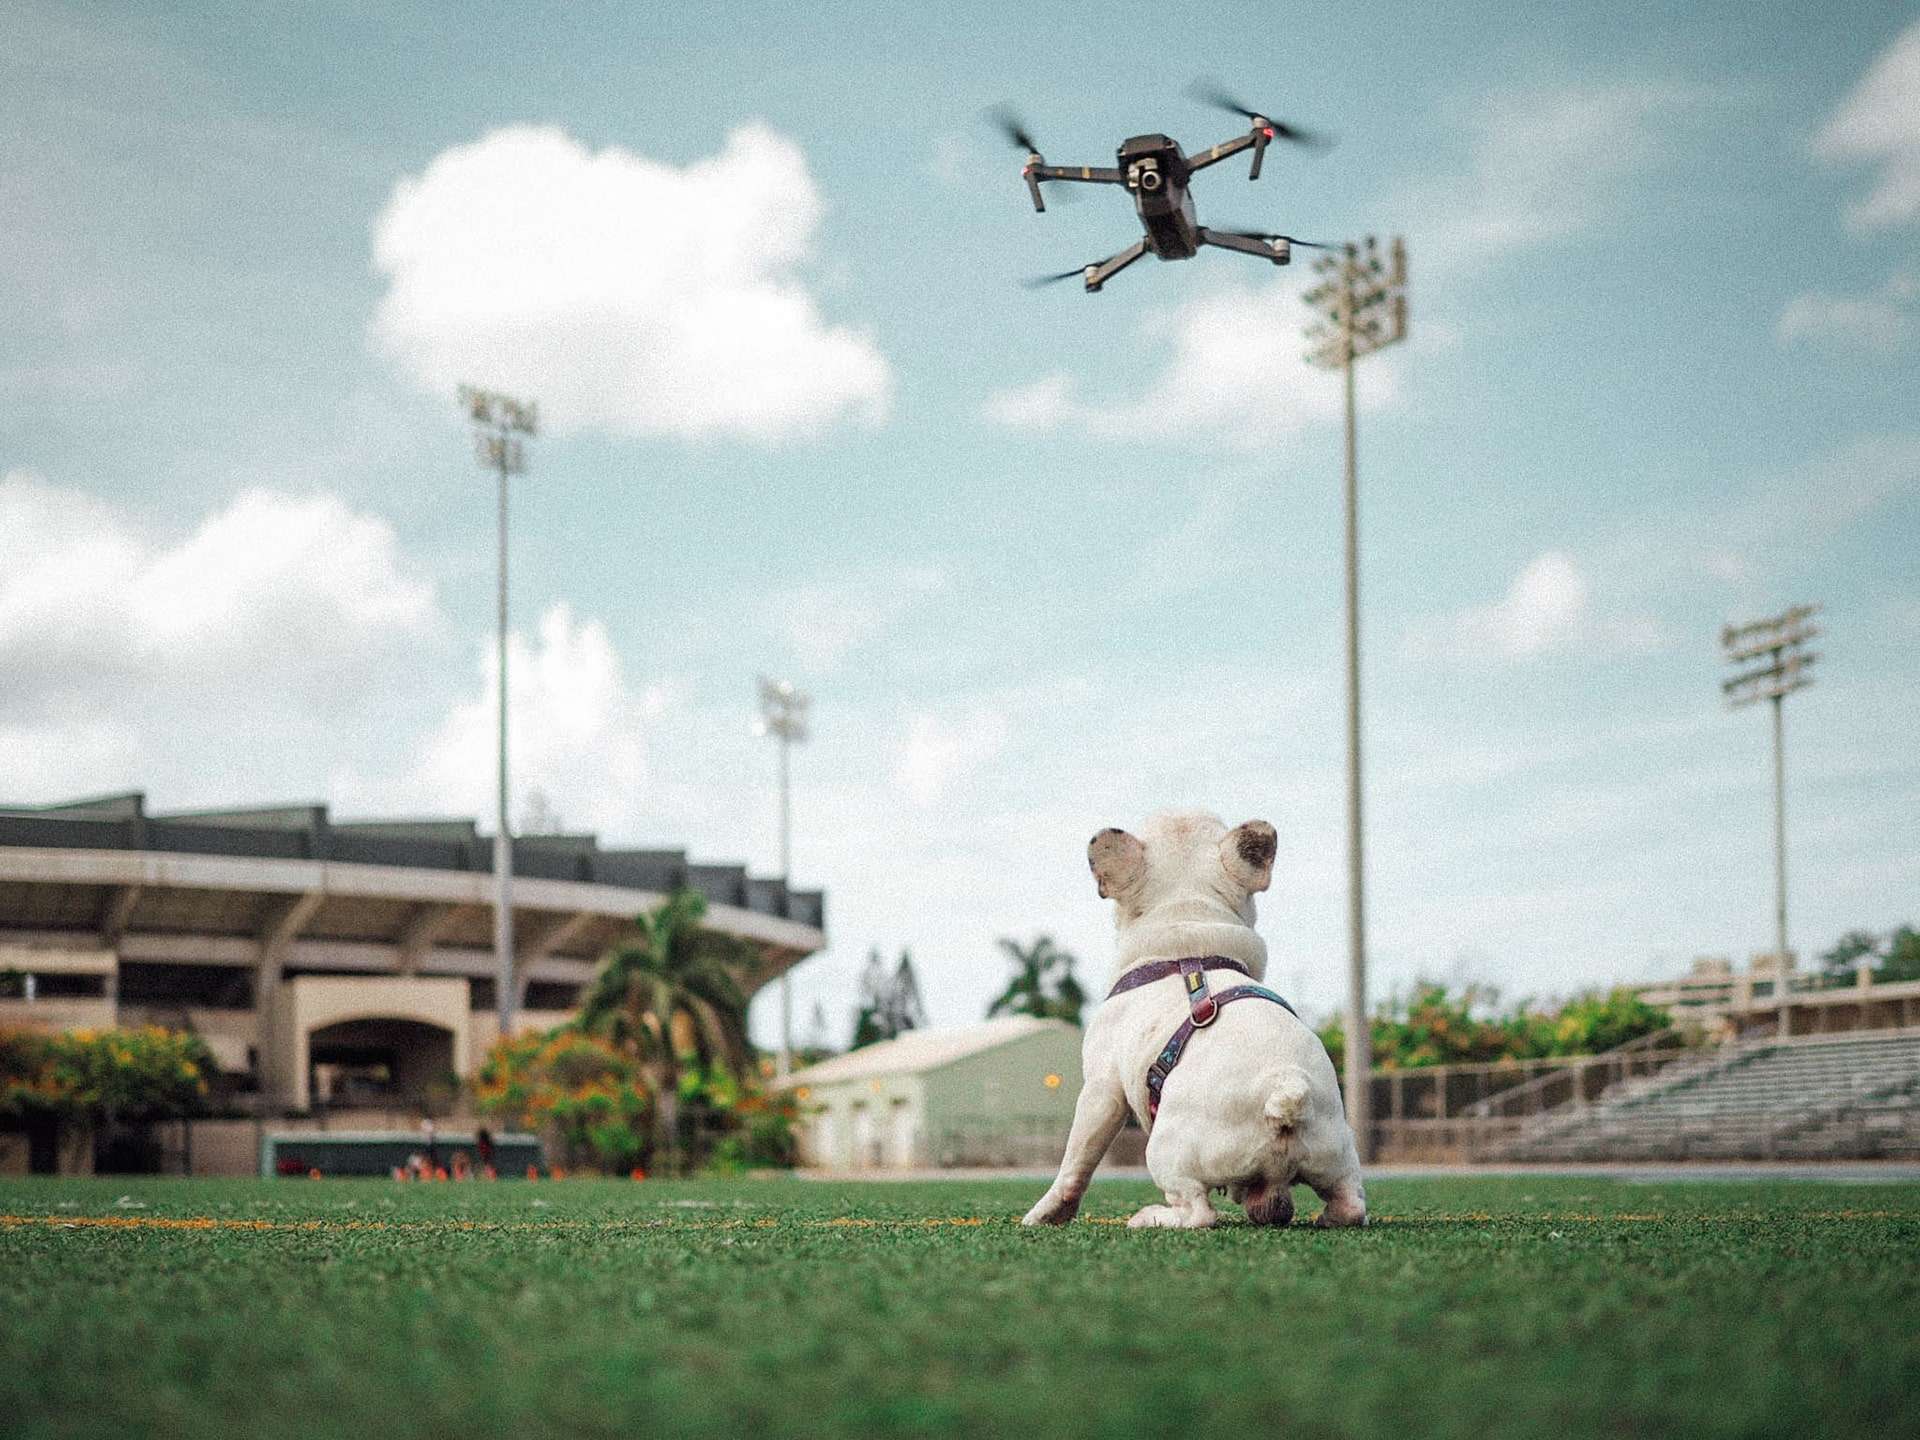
1118, 861
1247, 851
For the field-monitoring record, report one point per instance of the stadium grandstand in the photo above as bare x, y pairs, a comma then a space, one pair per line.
331, 963
1763, 1064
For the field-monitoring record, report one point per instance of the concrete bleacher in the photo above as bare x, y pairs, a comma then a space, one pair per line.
1855, 1094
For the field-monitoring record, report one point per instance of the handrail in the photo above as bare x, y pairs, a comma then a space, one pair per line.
1498, 1104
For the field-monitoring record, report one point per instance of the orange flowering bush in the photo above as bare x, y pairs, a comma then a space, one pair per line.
145, 1074
581, 1086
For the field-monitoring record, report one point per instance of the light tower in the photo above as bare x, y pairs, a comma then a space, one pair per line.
499, 422
1777, 643
1363, 306
783, 715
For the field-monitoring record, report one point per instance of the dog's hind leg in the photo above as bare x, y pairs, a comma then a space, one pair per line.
1187, 1208
1345, 1196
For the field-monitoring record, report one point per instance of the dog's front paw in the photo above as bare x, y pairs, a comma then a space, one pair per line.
1053, 1209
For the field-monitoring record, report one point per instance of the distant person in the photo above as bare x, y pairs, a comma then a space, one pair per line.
427, 1133
483, 1143
462, 1166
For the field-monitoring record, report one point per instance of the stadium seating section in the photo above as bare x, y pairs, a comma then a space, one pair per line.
1852, 1095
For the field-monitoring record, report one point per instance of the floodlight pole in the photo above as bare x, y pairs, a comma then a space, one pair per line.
783, 715
1363, 307
1780, 850
499, 422
1778, 644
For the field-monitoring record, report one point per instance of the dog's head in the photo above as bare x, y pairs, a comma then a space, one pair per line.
1184, 866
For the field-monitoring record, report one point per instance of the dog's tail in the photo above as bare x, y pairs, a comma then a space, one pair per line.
1287, 1091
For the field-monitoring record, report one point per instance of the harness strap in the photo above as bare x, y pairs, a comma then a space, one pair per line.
1199, 1003
1159, 970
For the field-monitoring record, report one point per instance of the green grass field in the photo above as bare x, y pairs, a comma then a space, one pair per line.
1473, 1308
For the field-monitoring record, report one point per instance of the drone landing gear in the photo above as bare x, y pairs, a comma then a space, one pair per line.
1098, 275
1279, 251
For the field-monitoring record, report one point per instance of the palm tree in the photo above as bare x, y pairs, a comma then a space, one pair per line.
669, 996
1026, 993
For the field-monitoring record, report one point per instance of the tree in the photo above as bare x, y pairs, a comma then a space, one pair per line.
889, 1004
1898, 958
94, 1075
89, 1078
1841, 958
1034, 966
670, 999
1903, 956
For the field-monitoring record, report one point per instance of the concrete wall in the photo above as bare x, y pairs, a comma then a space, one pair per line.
995, 1107
313, 1002
876, 1123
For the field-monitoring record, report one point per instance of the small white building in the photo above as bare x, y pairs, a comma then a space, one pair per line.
998, 1093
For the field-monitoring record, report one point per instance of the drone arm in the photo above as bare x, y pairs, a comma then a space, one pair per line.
1091, 174
1256, 139
1098, 275
1033, 188
1038, 170
1277, 254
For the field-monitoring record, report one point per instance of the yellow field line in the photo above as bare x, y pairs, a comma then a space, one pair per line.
842, 1222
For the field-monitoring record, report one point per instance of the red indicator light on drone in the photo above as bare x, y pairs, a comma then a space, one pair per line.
1270, 131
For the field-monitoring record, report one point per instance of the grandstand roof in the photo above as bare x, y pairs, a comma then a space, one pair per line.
308, 832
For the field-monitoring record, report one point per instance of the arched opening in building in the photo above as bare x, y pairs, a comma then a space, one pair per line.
381, 1063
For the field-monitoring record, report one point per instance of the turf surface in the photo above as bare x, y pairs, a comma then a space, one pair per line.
1473, 1308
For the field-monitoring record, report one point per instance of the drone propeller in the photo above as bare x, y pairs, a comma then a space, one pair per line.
1210, 92
1275, 235
1004, 119
1034, 282
1013, 127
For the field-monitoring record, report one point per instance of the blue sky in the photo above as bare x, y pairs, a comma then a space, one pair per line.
1048, 561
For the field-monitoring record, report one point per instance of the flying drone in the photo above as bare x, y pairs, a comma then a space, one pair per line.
1157, 171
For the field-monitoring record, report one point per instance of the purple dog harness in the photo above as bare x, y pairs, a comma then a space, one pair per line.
1202, 1007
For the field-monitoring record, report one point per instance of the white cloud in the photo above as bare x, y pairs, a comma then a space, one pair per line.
1880, 323
1549, 608
1826, 495
1545, 163
956, 159
624, 293
824, 620
938, 752
138, 658
1237, 368
273, 589
577, 731
1723, 563
1879, 124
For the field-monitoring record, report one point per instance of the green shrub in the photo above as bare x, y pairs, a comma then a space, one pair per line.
144, 1074
1432, 1026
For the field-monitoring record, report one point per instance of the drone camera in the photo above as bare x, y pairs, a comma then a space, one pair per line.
1145, 175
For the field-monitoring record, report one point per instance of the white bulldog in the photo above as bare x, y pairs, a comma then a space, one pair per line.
1252, 1104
